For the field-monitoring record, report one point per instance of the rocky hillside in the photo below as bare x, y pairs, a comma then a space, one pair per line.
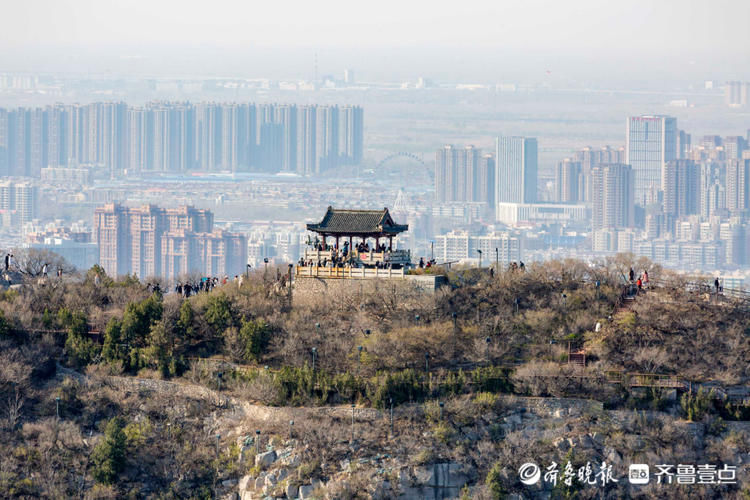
108, 390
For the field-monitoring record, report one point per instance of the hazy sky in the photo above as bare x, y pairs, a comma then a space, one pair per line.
583, 29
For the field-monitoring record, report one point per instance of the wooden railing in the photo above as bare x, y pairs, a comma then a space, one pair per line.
347, 272
319, 255
400, 257
645, 379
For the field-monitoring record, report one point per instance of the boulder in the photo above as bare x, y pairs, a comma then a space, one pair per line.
260, 481
513, 419
586, 442
291, 491
382, 491
271, 480
306, 491
245, 482
561, 444
282, 474
598, 438
265, 459
612, 456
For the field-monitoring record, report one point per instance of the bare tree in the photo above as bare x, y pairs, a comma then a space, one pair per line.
14, 406
30, 262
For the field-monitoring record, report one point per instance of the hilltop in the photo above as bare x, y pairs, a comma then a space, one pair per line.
160, 396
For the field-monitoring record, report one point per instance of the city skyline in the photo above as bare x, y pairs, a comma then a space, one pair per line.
178, 137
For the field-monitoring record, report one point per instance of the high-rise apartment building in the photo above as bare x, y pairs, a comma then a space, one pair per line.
737, 94
683, 144
651, 142
515, 170
484, 180
733, 234
327, 138
153, 241
589, 158
112, 233
682, 185
20, 199
612, 193
734, 146
569, 182
306, 140
463, 174
352, 131
446, 160
738, 186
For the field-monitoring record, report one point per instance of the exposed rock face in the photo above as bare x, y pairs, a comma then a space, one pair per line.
264, 460
556, 426
438, 481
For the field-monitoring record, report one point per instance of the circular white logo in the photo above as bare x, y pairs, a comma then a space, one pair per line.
529, 473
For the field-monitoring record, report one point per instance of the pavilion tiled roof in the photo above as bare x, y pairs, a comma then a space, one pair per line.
357, 222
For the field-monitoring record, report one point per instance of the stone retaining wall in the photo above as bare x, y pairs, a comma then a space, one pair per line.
309, 287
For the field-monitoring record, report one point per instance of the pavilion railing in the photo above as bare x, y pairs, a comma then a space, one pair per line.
347, 272
319, 255
400, 257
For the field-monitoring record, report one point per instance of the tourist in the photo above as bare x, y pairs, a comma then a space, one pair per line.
632, 275
421, 262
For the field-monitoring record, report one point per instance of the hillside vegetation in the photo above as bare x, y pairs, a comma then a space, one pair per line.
68, 345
